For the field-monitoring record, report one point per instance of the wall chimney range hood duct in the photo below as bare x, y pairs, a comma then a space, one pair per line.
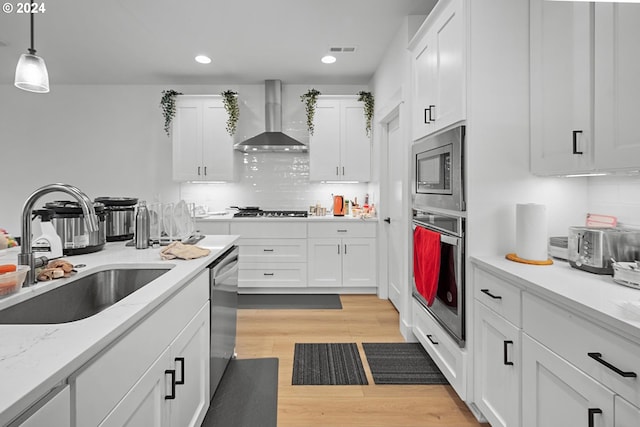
273, 139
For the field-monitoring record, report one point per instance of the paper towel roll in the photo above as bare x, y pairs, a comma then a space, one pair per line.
531, 232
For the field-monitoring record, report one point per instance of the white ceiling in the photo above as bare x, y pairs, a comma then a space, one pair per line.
155, 41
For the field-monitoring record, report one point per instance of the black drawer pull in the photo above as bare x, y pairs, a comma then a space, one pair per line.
426, 120
486, 291
267, 250
430, 338
342, 231
181, 360
506, 356
598, 358
171, 372
431, 108
268, 274
592, 412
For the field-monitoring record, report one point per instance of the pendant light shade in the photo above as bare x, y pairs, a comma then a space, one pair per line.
31, 74
31, 71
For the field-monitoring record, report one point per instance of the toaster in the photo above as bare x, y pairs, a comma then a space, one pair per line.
596, 249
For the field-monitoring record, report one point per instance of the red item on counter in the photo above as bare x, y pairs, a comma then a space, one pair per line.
426, 262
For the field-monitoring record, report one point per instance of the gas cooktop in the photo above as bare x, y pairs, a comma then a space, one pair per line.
259, 213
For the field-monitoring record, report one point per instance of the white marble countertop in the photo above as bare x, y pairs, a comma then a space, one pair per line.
36, 358
230, 217
596, 296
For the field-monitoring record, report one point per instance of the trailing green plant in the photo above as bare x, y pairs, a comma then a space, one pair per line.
369, 102
168, 105
310, 100
230, 100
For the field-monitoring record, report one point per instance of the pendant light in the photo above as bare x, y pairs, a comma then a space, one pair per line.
31, 72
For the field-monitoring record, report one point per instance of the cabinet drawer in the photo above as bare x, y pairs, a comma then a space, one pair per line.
121, 365
272, 275
269, 229
574, 337
273, 250
442, 349
342, 229
213, 227
498, 295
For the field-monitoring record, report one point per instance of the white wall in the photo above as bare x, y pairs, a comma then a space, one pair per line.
616, 195
109, 141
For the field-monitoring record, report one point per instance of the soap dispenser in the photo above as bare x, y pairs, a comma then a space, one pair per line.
48, 244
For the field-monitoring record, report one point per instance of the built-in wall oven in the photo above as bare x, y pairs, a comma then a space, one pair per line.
438, 199
447, 301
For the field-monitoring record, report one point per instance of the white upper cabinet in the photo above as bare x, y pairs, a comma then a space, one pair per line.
438, 69
561, 87
339, 149
202, 148
617, 90
584, 87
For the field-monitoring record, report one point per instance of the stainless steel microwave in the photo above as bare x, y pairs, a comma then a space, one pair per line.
438, 171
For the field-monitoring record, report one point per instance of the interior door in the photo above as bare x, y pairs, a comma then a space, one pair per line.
394, 228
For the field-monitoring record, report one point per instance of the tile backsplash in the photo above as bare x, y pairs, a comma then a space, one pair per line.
271, 181
616, 195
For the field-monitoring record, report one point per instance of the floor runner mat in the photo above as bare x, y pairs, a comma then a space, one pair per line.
402, 363
247, 395
289, 301
327, 364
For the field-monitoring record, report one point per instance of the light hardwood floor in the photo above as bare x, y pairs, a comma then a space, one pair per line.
364, 318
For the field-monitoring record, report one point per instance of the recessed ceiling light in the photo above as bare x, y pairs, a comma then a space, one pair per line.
203, 59
328, 59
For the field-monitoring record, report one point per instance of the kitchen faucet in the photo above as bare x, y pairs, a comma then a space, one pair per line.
26, 254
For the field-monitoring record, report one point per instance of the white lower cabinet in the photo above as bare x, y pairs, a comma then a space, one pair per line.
337, 261
174, 391
132, 381
625, 414
53, 410
450, 358
567, 369
556, 393
273, 254
497, 366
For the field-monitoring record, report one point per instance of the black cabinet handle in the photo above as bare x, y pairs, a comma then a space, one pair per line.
181, 361
337, 171
267, 250
342, 231
205, 171
171, 372
426, 120
506, 356
198, 170
598, 358
268, 274
387, 220
592, 412
345, 249
575, 142
338, 249
431, 108
430, 338
486, 291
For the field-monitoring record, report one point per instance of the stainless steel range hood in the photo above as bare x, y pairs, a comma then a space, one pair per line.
273, 139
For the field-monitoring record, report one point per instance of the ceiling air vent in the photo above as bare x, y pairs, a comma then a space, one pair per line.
342, 49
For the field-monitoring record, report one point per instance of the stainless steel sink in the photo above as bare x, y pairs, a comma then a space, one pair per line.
80, 298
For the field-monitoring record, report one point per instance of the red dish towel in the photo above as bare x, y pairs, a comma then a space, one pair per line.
426, 262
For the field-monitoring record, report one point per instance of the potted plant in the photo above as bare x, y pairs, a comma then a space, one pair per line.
230, 100
168, 105
368, 100
310, 100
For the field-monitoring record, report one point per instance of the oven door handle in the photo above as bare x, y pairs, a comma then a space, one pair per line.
450, 240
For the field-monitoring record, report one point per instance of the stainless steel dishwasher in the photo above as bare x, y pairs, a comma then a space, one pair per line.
223, 293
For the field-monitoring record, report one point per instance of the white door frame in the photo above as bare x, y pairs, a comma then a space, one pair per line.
395, 107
